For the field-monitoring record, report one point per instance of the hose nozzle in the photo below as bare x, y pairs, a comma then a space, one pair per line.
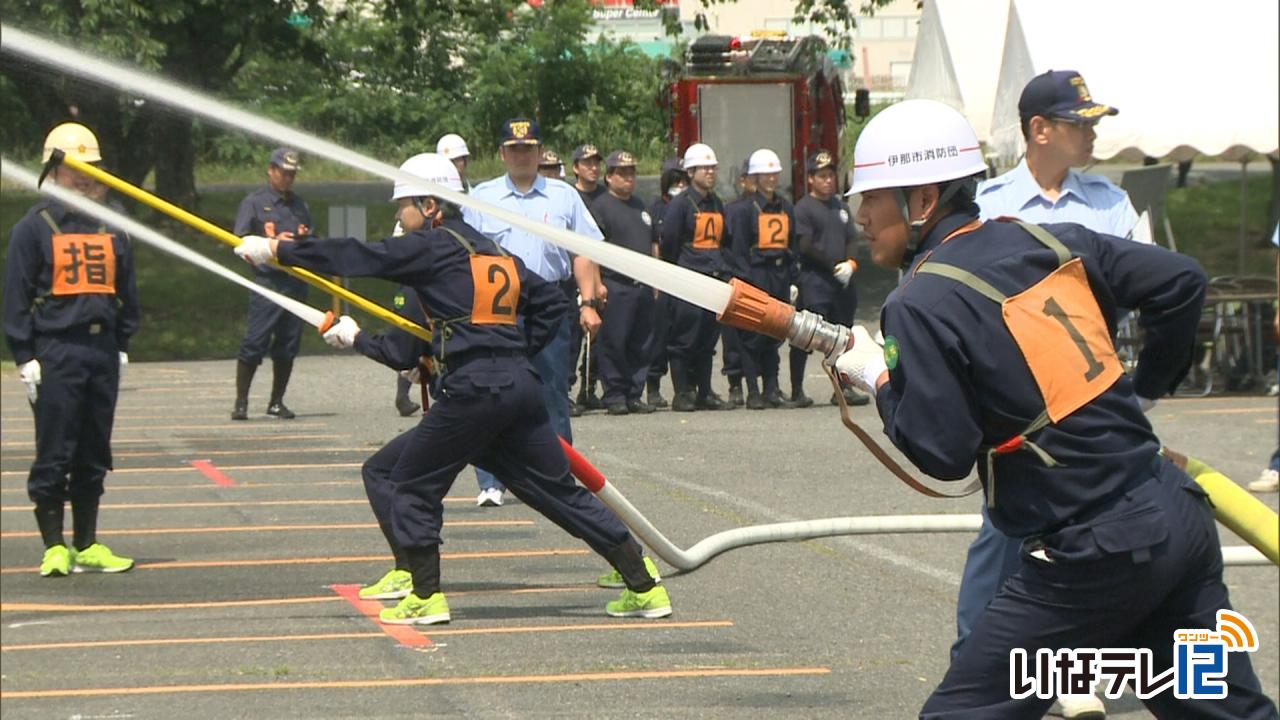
752, 309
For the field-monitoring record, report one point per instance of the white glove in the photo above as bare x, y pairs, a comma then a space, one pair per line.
414, 376
343, 333
1146, 404
795, 294
255, 249
124, 364
862, 364
29, 372
843, 272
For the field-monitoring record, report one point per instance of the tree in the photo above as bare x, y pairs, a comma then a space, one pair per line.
201, 43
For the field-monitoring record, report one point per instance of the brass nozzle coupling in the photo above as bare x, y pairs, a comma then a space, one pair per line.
751, 308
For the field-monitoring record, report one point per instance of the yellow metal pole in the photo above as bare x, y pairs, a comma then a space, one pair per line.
209, 228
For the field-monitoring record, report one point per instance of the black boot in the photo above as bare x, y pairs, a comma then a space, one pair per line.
404, 405
654, 395
244, 378
280, 372
735, 391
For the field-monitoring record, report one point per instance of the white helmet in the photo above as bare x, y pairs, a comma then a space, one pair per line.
432, 167
452, 147
915, 142
699, 155
763, 162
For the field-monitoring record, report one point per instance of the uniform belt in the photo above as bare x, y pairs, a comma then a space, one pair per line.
85, 330
619, 277
456, 360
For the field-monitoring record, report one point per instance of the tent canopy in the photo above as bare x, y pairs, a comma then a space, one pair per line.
1188, 77
957, 57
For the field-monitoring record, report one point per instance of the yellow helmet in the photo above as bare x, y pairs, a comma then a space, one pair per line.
75, 140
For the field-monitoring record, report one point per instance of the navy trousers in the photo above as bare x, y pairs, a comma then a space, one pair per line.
1130, 577
625, 340
270, 328
691, 345
74, 412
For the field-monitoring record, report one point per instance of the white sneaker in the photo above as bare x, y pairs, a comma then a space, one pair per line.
489, 498
1079, 707
1268, 481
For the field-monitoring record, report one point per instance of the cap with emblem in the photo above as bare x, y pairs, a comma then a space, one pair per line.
620, 159
549, 158
1061, 95
586, 152
820, 160
672, 164
453, 147
520, 131
285, 159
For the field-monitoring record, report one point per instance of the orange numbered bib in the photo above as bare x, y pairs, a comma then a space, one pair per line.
773, 231
1061, 332
497, 290
83, 264
708, 230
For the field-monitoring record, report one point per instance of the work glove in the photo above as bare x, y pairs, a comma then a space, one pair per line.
795, 294
124, 364
863, 363
343, 333
1146, 404
843, 272
255, 249
29, 372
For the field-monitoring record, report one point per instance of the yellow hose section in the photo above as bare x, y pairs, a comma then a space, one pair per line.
1233, 506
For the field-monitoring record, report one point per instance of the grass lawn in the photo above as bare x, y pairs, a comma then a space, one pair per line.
189, 314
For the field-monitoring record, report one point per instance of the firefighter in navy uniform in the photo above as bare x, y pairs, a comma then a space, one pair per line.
694, 236
998, 350
489, 315
586, 174
731, 337
763, 228
672, 182
272, 211
626, 336
825, 238
70, 307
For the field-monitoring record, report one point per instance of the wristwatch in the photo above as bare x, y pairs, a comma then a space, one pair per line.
593, 303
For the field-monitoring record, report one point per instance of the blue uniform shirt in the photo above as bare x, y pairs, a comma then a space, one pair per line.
267, 213
958, 382
438, 268
30, 308
549, 201
1089, 200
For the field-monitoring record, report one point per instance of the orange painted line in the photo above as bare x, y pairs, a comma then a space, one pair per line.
192, 564
372, 609
228, 425
208, 470
241, 486
513, 630
271, 528
188, 468
142, 607
631, 675
230, 503
1223, 411
207, 438
211, 453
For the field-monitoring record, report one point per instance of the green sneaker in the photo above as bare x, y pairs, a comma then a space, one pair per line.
99, 558
414, 610
393, 586
653, 604
56, 562
613, 578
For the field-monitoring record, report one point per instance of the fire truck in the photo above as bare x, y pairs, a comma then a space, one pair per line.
767, 91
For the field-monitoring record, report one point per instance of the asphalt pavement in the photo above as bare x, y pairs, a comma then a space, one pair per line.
250, 538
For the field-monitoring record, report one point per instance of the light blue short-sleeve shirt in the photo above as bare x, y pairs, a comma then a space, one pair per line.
1089, 200
549, 201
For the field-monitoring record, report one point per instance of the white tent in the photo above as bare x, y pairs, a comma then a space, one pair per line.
957, 57
1188, 77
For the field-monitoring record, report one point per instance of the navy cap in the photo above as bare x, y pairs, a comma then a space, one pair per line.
285, 159
549, 159
746, 167
585, 152
520, 131
1061, 94
672, 163
820, 160
620, 159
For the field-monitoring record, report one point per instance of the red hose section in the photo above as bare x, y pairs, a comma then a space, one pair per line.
580, 468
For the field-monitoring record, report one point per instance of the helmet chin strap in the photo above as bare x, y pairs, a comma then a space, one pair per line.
915, 227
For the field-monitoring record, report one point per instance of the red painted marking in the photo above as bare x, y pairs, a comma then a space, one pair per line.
403, 634
582, 469
218, 477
